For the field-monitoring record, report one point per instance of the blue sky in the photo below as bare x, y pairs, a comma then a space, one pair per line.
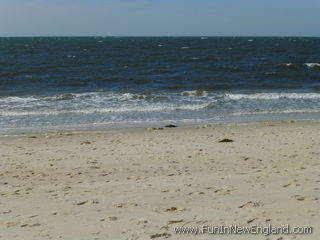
159, 17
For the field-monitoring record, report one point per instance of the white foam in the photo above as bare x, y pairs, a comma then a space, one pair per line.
273, 96
131, 96
82, 98
67, 96
194, 93
312, 65
123, 109
18, 99
288, 111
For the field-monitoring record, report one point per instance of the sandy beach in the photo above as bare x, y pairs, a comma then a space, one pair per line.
139, 183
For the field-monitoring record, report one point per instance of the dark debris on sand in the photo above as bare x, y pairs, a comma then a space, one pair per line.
226, 140
170, 126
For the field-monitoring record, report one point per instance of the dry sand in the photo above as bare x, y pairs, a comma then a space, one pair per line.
141, 183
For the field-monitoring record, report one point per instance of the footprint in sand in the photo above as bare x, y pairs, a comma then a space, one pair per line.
303, 198
111, 219
87, 202
251, 204
222, 191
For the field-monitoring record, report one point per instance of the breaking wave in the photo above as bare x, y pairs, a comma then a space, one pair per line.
150, 108
300, 66
313, 65
194, 93
116, 103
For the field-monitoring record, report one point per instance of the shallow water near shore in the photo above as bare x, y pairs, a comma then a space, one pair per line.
97, 82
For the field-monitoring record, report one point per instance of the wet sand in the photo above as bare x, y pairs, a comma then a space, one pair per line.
141, 183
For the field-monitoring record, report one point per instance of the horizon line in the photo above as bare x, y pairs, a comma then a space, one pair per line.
164, 36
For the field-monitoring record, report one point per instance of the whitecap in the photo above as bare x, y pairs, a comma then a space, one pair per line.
18, 99
66, 96
194, 93
312, 65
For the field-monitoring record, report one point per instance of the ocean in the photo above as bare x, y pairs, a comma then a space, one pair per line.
73, 83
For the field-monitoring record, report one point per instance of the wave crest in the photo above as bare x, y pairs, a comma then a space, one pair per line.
194, 93
127, 109
300, 66
312, 65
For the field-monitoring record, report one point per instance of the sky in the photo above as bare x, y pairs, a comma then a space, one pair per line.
159, 18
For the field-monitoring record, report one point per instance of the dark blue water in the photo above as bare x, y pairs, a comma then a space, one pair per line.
74, 83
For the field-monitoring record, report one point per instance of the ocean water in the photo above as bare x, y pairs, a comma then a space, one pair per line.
97, 82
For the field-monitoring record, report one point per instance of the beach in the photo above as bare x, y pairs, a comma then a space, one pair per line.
142, 183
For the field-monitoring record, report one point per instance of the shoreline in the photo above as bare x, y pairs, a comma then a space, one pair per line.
232, 119
139, 183
159, 125
139, 128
